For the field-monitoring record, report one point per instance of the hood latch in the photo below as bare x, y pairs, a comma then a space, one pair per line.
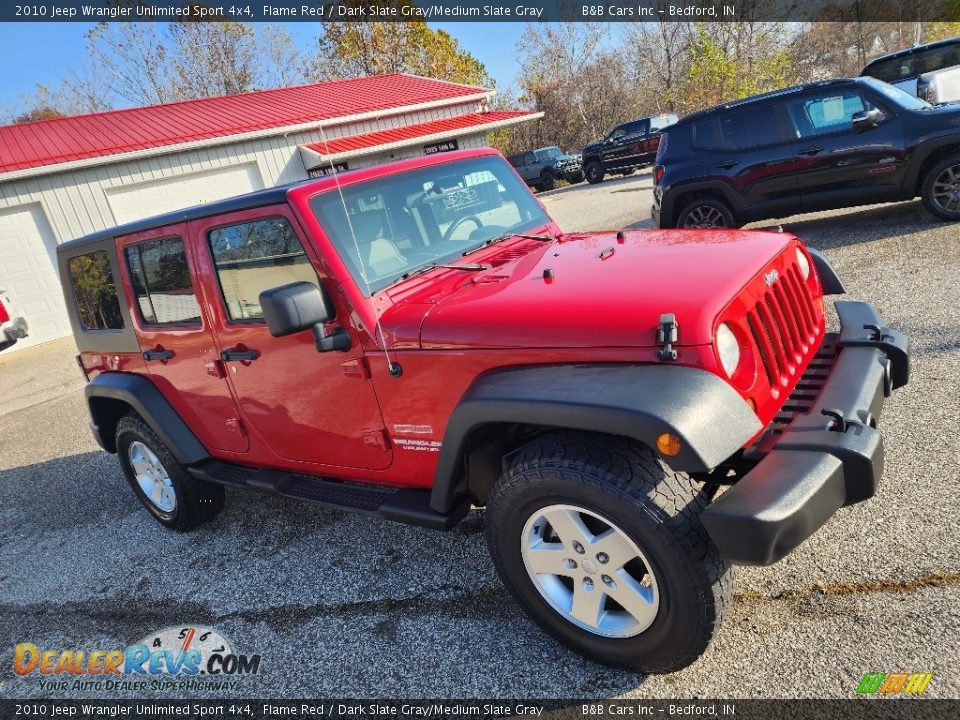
666, 335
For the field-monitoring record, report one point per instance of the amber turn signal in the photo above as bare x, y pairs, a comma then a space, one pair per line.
668, 444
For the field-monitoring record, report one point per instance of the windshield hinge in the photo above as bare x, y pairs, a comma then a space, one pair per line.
666, 335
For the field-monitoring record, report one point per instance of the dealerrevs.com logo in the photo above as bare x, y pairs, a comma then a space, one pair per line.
894, 683
175, 658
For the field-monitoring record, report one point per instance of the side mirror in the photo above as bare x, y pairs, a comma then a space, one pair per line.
300, 306
865, 119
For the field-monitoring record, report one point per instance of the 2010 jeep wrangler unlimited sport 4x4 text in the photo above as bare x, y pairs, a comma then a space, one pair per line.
637, 411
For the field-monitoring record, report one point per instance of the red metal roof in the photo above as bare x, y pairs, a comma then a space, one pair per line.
78, 137
412, 132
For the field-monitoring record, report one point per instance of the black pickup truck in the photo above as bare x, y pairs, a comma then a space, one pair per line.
626, 148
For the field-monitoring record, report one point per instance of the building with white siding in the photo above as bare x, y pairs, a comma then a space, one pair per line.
67, 177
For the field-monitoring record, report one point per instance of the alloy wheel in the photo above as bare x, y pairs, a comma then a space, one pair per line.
946, 189
704, 216
590, 571
152, 478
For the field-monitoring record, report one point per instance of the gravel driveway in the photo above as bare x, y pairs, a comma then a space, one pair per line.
347, 606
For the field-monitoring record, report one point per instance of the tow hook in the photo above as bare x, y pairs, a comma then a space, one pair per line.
842, 423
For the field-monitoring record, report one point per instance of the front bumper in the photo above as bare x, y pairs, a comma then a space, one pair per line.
570, 172
10, 332
820, 462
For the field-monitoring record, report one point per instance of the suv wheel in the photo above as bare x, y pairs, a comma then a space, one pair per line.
706, 213
941, 189
163, 485
593, 172
601, 543
547, 180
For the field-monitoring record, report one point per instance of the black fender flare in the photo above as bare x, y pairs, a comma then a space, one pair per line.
829, 280
638, 401
107, 389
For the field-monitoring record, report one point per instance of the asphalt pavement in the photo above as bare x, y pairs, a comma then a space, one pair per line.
348, 606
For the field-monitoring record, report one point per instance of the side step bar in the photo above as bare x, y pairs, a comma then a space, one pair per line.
406, 506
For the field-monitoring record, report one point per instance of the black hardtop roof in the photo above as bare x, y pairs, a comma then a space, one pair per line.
912, 50
838, 82
258, 198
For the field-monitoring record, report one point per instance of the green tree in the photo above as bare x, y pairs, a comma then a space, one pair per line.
355, 49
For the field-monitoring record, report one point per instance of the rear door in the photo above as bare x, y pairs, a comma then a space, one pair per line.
304, 405
837, 165
176, 336
753, 156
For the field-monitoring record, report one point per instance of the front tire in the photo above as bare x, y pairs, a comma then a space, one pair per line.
173, 496
548, 180
593, 171
941, 189
601, 544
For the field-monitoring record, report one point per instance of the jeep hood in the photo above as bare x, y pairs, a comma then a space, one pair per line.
602, 293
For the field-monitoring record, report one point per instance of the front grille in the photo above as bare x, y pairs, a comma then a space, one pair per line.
783, 327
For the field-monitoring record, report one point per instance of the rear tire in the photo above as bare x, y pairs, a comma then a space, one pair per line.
611, 484
593, 171
176, 498
707, 212
940, 189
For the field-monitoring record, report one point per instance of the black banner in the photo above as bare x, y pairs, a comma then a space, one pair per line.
892, 709
482, 10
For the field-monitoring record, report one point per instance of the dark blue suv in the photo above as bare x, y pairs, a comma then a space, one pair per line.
822, 146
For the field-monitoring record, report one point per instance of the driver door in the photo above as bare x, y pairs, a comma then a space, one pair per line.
304, 405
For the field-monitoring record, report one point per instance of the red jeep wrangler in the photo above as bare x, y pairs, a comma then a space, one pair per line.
637, 411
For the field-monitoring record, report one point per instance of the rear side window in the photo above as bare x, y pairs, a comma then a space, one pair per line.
161, 282
255, 256
750, 127
910, 66
95, 291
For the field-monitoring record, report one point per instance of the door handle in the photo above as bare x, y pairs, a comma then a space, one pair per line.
728, 164
812, 150
158, 353
235, 353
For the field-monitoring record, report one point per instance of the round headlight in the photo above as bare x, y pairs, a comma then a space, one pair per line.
803, 263
728, 349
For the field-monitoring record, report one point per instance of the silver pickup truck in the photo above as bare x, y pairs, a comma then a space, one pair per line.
930, 72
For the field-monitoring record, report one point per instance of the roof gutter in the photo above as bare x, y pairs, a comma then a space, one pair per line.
238, 137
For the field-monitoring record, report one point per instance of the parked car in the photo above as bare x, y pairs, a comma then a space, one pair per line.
413, 339
930, 72
627, 147
542, 168
822, 146
13, 327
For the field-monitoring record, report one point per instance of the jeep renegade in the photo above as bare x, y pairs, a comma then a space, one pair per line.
637, 411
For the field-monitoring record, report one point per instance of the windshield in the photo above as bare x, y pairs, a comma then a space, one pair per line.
411, 220
901, 97
917, 63
549, 153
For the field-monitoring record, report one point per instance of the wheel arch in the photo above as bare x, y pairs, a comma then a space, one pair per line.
681, 196
504, 408
110, 396
931, 156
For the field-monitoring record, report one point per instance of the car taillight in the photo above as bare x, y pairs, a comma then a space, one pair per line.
4, 315
658, 173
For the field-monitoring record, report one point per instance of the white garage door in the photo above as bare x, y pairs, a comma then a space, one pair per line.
133, 202
28, 272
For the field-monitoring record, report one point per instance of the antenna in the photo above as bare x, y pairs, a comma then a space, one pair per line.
393, 368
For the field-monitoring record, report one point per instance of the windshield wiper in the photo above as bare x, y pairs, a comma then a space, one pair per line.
472, 267
506, 236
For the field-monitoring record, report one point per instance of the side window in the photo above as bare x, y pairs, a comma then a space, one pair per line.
618, 133
751, 126
255, 256
641, 127
706, 134
96, 292
823, 114
161, 282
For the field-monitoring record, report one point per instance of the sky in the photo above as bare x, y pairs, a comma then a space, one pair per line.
41, 53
